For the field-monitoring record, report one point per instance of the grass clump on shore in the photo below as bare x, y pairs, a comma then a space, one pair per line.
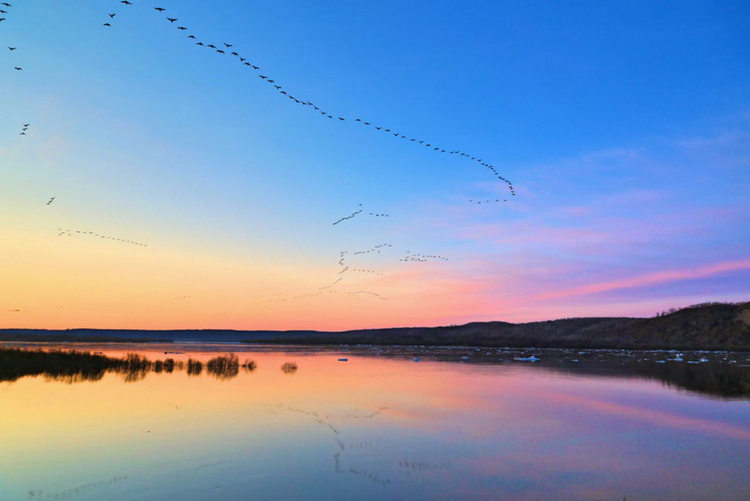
194, 367
69, 365
73, 366
224, 366
289, 368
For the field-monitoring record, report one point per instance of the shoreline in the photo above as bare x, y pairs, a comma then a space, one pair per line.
710, 326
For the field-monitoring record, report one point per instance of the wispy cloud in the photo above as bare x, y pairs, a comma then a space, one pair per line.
652, 279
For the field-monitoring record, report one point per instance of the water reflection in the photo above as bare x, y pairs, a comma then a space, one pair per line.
718, 374
373, 428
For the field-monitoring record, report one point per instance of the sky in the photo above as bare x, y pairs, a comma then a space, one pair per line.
161, 184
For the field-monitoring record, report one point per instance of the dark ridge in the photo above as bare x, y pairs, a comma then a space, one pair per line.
708, 326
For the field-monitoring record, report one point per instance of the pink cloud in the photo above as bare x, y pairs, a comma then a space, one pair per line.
650, 279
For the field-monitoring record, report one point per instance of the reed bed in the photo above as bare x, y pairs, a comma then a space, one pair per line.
73, 366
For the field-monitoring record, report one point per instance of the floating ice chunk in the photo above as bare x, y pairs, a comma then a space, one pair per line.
532, 358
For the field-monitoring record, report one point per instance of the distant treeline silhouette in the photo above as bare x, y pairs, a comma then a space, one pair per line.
711, 326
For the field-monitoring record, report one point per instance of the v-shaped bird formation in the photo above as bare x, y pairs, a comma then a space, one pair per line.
227, 50
224, 46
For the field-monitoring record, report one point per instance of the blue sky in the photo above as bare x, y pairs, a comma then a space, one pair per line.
624, 128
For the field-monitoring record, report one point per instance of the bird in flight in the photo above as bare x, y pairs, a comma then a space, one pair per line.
172, 19
12, 48
160, 9
181, 28
112, 15
50, 200
125, 2
19, 69
107, 24
228, 45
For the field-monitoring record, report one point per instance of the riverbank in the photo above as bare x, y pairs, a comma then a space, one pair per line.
709, 326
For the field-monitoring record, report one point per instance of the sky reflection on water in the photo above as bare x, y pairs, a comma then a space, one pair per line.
369, 428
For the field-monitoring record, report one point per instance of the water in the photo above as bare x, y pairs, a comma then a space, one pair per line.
457, 424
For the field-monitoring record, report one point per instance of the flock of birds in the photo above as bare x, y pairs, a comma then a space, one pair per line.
359, 211
227, 49
4, 12
345, 268
69, 233
224, 48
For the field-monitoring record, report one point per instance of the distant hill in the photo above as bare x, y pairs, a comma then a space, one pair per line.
709, 326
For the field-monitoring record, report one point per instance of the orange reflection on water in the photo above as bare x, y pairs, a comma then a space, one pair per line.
367, 428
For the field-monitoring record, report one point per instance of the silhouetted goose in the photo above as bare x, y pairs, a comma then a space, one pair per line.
172, 19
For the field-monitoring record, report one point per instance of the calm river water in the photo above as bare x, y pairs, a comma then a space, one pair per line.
455, 424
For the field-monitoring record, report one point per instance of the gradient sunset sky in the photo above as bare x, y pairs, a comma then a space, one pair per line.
189, 192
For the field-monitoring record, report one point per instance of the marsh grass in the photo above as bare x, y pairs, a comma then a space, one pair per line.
194, 367
249, 365
289, 368
72, 366
224, 366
